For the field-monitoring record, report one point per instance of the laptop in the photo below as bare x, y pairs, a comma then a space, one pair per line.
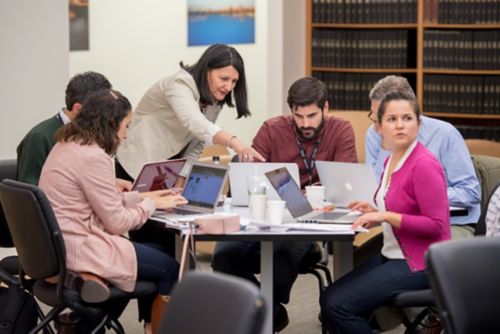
202, 189
346, 182
239, 171
158, 175
297, 204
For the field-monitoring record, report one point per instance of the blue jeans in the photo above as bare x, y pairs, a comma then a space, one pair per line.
154, 265
242, 259
348, 302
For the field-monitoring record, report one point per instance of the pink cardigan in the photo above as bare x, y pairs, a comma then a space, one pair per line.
418, 191
79, 182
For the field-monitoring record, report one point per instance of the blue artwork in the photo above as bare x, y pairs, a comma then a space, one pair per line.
221, 21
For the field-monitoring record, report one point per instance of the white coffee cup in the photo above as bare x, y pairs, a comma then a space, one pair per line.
275, 209
316, 196
257, 206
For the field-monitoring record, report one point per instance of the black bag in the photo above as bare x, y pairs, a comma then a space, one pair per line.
18, 313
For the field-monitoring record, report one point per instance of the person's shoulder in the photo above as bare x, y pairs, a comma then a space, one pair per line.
424, 156
437, 125
45, 128
279, 121
337, 122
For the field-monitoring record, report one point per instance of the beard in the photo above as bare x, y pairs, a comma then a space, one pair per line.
310, 132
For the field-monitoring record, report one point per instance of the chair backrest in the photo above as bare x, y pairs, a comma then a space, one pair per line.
464, 276
8, 170
483, 147
34, 229
488, 172
214, 303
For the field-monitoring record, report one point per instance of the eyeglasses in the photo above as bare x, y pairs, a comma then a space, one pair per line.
372, 117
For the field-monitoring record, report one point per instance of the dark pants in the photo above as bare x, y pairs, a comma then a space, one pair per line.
152, 236
155, 266
348, 302
242, 259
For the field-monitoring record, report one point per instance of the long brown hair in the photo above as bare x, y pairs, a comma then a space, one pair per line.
98, 121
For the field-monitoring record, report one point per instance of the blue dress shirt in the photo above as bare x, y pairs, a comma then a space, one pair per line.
447, 144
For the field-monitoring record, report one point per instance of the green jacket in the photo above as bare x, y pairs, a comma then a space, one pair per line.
34, 149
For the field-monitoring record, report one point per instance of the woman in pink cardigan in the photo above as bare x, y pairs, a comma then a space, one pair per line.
94, 209
413, 209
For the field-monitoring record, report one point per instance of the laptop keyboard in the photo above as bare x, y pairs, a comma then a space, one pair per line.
329, 215
185, 211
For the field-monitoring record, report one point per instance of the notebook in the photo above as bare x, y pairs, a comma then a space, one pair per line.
297, 204
347, 182
158, 175
239, 171
202, 188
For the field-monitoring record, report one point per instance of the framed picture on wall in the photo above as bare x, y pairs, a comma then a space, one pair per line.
221, 21
78, 25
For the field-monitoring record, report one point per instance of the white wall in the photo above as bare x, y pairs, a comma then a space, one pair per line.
34, 47
134, 43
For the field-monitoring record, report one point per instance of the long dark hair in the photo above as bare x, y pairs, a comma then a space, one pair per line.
98, 121
219, 56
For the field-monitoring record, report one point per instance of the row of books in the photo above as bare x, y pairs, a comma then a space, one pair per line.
347, 48
462, 49
479, 132
462, 94
349, 91
364, 11
461, 11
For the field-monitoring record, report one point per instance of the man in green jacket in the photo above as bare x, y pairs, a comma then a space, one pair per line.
36, 145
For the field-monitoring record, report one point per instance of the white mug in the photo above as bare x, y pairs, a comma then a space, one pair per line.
275, 211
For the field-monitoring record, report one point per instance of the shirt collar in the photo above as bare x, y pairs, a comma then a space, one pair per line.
64, 118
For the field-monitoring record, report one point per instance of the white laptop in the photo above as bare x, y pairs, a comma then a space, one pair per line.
346, 182
158, 175
202, 189
297, 204
239, 171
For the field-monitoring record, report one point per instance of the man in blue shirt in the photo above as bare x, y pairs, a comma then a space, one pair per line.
442, 139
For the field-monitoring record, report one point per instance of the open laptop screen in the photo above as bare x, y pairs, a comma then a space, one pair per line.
204, 185
289, 191
158, 175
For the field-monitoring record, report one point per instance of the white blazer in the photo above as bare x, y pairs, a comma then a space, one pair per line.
168, 118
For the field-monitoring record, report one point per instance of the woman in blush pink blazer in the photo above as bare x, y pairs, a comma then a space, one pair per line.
92, 207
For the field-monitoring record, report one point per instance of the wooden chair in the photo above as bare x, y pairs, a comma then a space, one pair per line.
483, 147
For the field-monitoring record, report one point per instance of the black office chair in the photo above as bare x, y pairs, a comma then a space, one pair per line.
42, 255
9, 265
214, 303
464, 276
425, 298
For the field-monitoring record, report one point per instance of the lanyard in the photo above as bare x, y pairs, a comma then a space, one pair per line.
311, 162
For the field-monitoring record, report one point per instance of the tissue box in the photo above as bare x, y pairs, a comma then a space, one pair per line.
217, 224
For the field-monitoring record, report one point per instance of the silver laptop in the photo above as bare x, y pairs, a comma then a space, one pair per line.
297, 204
347, 182
158, 175
202, 189
239, 171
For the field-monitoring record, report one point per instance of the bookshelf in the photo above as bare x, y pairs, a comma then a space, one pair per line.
449, 50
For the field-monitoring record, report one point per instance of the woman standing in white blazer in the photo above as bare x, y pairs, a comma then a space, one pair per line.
176, 117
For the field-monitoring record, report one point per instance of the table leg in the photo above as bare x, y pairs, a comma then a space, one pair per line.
342, 258
266, 281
